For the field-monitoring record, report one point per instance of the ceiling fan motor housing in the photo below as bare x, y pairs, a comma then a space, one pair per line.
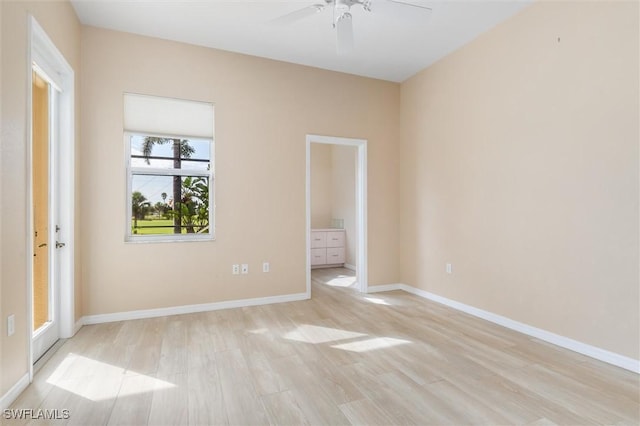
346, 4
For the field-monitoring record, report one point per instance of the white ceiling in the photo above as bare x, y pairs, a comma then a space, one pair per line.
390, 43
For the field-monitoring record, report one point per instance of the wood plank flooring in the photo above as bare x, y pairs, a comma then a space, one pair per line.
340, 358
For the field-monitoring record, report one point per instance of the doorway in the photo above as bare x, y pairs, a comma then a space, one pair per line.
45, 266
51, 202
334, 228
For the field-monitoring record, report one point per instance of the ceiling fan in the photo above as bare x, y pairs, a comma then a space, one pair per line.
342, 20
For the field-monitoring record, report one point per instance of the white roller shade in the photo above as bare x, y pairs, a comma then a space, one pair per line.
166, 116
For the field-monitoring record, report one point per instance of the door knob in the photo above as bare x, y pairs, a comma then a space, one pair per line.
42, 245
59, 245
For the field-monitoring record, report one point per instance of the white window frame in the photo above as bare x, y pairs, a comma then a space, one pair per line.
136, 238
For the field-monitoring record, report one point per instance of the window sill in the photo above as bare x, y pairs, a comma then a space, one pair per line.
168, 239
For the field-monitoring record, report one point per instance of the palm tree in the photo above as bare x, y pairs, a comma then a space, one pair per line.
160, 208
195, 204
164, 196
181, 149
139, 204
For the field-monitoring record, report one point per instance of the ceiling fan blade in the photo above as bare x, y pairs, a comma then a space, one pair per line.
297, 15
344, 31
410, 4
402, 9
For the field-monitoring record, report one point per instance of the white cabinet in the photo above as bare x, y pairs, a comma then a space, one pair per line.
318, 239
335, 255
327, 247
318, 256
335, 239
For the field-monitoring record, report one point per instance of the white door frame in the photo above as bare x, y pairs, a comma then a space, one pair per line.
48, 58
361, 205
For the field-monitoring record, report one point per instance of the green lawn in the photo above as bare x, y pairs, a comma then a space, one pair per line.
144, 227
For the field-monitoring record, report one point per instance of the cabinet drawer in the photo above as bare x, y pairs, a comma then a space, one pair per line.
335, 255
335, 239
318, 239
318, 256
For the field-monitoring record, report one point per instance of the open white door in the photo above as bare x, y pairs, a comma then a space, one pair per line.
51, 184
45, 204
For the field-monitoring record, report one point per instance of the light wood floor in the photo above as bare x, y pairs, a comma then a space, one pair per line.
340, 358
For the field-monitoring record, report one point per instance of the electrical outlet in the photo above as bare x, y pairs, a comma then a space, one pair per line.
11, 325
245, 268
449, 268
235, 269
265, 267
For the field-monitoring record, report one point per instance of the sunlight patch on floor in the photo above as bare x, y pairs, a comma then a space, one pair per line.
316, 334
342, 281
371, 344
99, 381
377, 300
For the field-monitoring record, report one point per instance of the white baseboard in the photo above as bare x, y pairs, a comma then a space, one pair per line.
78, 325
562, 341
385, 287
350, 266
13, 393
189, 309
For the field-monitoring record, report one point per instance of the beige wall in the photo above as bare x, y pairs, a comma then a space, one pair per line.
264, 109
520, 166
343, 199
60, 22
321, 185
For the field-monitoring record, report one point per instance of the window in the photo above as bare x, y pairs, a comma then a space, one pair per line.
170, 169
